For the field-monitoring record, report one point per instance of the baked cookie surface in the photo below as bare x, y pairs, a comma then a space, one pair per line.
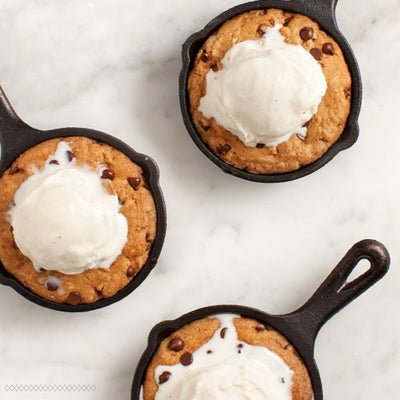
137, 205
323, 129
192, 336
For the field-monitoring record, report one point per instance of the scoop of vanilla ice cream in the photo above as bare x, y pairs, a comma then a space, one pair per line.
65, 220
266, 90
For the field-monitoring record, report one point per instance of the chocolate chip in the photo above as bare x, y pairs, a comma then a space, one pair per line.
260, 31
130, 271
209, 351
74, 298
204, 127
240, 345
214, 67
164, 377
134, 182
283, 380
108, 174
204, 57
186, 359
272, 22
223, 332
223, 149
301, 137
260, 145
287, 20
260, 329
70, 155
52, 285
54, 162
14, 170
306, 33
176, 344
327, 48
347, 93
316, 53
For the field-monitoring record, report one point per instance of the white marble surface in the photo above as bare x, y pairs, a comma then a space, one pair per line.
113, 66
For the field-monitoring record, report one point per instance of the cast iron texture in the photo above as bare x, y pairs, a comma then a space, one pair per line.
301, 327
321, 11
17, 137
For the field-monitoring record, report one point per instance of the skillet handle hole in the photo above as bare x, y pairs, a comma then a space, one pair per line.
359, 269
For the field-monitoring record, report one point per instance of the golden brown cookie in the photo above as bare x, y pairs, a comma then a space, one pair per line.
137, 205
324, 128
192, 336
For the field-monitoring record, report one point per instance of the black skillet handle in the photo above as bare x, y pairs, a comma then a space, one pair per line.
324, 11
335, 292
14, 133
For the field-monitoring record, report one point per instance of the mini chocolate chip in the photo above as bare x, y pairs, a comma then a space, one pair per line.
260, 145
74, 298
223, 332
327, 48
347, 93
176, 344
204, 127
260, 31
214, 67
306, 33
209, 351
240, 351
316, 53
134, 182
287, 20
70, 155
204, 57
14, 170
130, 271
272, 22
283, 380
54, 162
223, 148
164, 377
260, 329
240, 345
52, 285
186, 359
108, 174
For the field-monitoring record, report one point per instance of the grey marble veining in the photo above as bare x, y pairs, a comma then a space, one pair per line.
113, 66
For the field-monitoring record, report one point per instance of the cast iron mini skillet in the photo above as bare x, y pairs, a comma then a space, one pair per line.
321, 11
301, 326
17, 137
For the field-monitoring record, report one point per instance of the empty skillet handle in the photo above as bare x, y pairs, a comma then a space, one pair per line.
322, 11
15, 135
8, 117
335, 292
